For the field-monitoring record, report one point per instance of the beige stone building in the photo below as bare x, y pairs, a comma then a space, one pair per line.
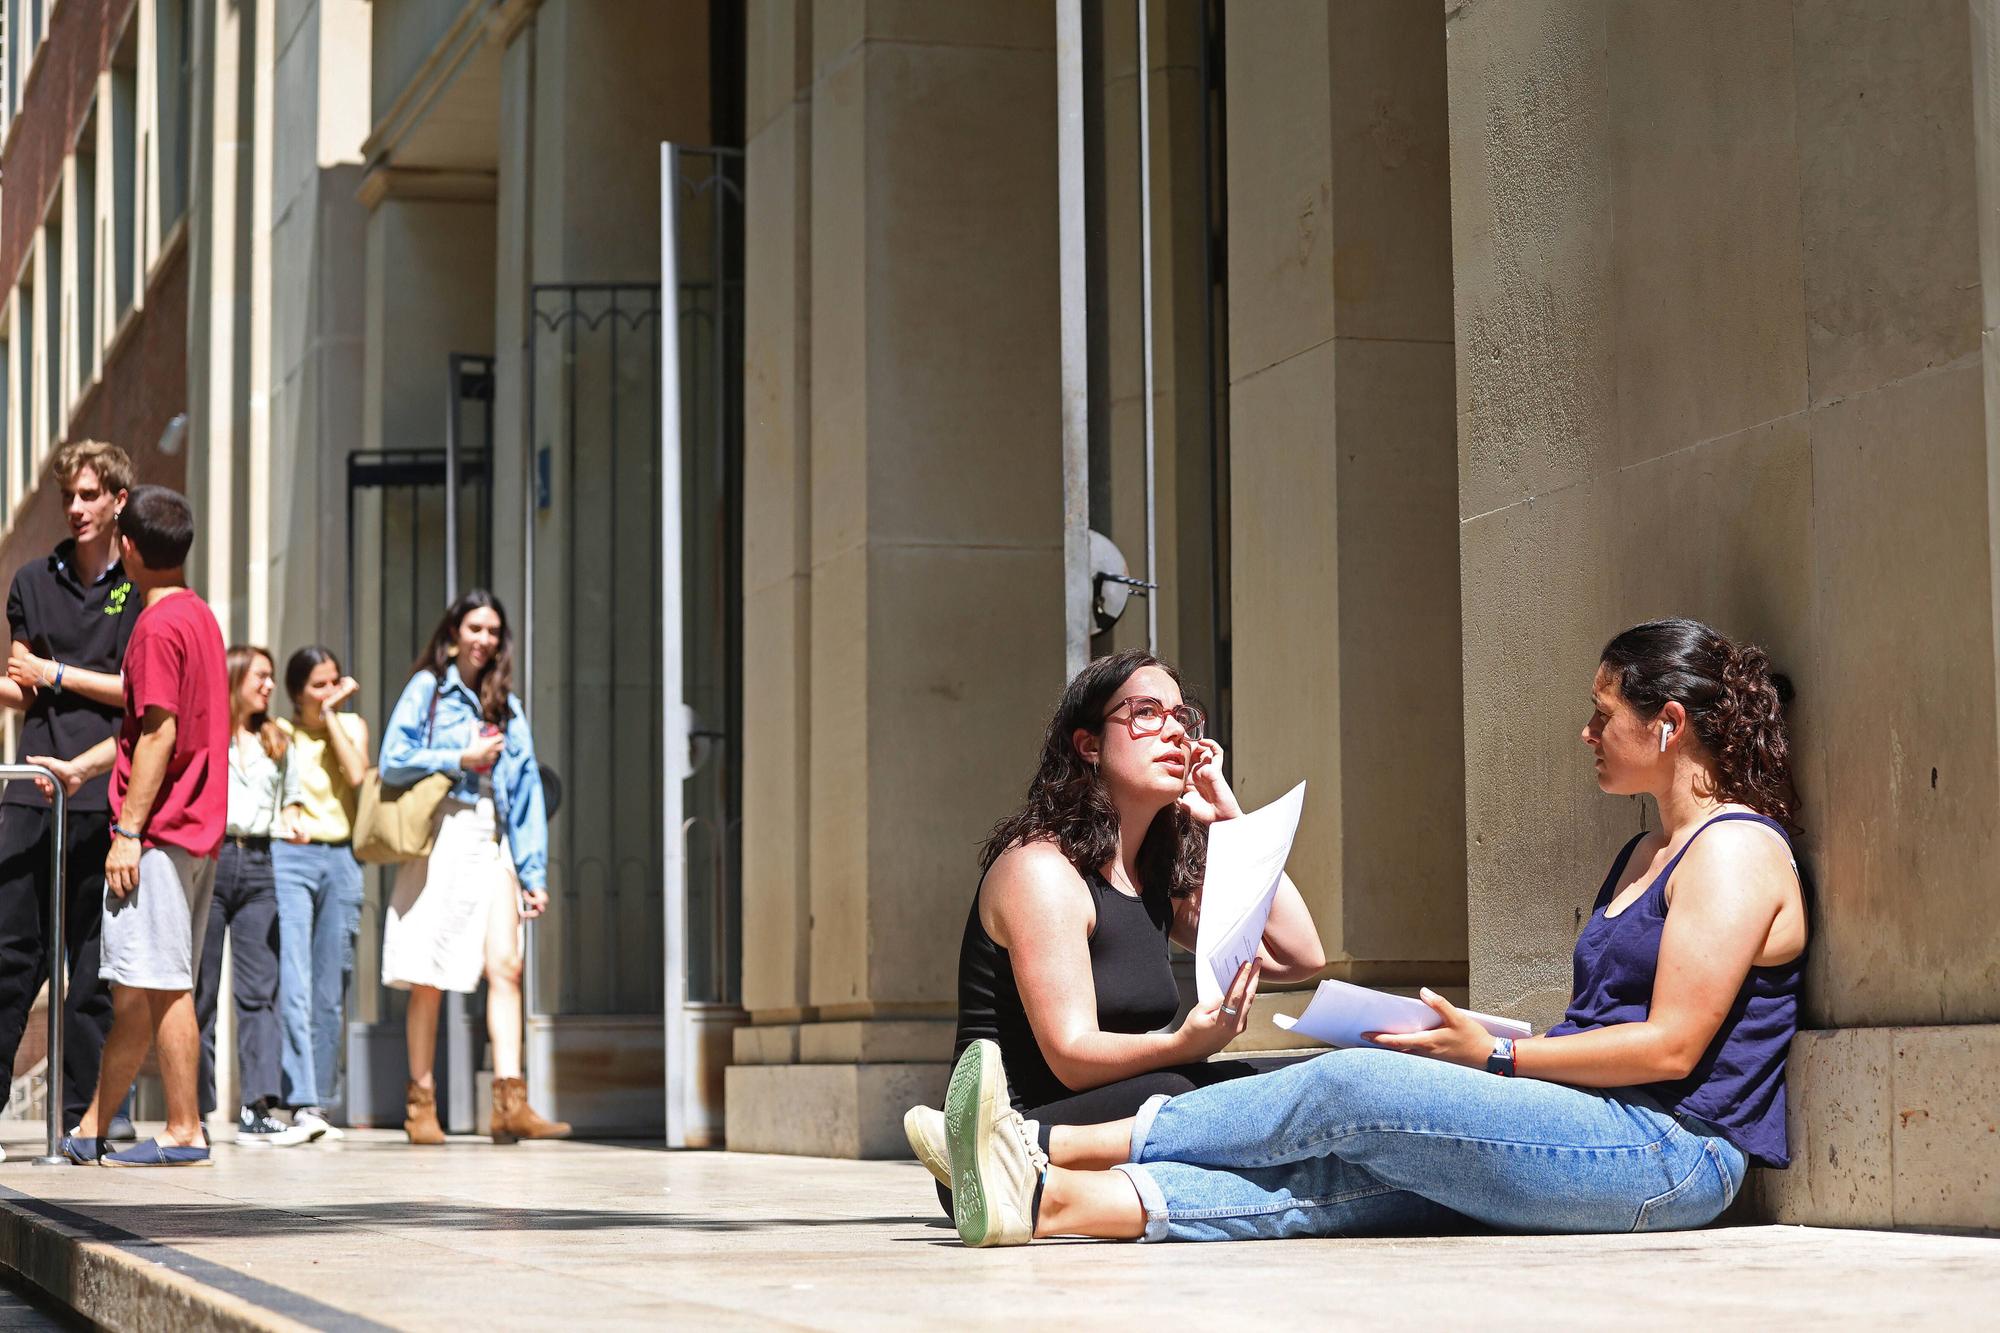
1480, 329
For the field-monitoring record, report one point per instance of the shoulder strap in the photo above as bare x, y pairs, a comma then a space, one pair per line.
430, 721
1618, 865
1733, 815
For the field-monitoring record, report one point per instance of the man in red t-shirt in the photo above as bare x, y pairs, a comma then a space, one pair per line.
169, 801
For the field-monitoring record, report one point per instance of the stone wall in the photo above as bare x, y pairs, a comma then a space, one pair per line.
1718, 290
1343, 551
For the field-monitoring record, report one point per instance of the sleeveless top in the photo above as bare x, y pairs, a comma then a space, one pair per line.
1129, 970
1738, 1085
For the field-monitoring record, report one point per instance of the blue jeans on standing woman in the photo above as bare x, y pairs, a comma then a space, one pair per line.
1375, 1142
319, 915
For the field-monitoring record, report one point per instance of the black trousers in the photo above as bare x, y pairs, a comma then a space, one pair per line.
1115, 1101
25, 834
246, 906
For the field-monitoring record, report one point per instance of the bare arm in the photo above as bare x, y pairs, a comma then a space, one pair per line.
1735, 899
351, 755
14, 697
1035, 905
31, 672
1291, 950
75, 772
150, 757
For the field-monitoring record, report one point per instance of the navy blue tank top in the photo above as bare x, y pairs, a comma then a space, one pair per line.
1739, 1084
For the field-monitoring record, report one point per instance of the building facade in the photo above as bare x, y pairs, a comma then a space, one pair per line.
1478, 331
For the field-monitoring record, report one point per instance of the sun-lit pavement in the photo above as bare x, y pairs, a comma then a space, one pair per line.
372, 1233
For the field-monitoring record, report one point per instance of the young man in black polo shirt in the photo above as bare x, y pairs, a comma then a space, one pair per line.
69, 617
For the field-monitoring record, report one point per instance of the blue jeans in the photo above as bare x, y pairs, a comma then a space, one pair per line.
1374, 1142
319, 914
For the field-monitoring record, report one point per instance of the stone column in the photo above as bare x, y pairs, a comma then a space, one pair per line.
1719, 298
1342, 470
318, 245
935, 602
777, 534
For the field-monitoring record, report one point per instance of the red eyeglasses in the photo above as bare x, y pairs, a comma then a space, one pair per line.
1147, 716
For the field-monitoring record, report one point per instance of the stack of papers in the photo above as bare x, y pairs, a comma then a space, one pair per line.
1340, 1012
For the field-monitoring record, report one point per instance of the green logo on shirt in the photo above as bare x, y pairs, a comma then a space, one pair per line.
116, 602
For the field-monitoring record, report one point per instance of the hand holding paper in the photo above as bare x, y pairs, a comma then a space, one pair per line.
1246, 861
1340, 1013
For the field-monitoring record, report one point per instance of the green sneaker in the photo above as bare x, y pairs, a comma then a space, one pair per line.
995, 1162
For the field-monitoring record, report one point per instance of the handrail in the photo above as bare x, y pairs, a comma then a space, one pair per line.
52, 1096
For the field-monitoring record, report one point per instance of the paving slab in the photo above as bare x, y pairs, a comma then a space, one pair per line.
371, 1233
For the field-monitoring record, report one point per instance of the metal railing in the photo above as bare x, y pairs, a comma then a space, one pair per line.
52, 1095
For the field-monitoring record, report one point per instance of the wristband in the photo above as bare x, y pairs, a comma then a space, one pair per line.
1501, 1062
59, 675
124, 833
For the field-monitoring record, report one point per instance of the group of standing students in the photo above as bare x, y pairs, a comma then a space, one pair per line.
278, 873
287, 891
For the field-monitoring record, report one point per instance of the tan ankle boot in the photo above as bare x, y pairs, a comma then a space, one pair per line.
420, 1117
514, 1119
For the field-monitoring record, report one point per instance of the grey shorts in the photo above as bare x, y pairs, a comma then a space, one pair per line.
150, 937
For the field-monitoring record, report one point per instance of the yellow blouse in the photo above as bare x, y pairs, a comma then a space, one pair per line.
318, 782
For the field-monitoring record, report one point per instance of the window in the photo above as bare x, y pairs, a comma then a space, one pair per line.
49, 289
28, 402
6, 417
173, 79
124, 112
85, 222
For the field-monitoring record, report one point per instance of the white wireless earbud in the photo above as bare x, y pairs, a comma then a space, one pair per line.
1666, 734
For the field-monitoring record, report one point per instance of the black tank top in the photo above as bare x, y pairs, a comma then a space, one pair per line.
1129, 970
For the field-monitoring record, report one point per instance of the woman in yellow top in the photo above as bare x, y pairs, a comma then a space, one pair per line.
319, 881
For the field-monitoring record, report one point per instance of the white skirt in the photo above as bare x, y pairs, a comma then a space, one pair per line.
435, 932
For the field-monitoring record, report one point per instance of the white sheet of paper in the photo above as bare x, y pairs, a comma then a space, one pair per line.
1246, 859
1340, 1012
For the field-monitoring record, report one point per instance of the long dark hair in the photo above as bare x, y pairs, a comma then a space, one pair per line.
497, 681
299, 669
1068, 805
1734, 700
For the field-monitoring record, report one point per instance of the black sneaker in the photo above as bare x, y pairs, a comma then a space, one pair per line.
260, 1127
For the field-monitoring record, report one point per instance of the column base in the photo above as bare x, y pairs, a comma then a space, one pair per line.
1889, 1127
845, 1110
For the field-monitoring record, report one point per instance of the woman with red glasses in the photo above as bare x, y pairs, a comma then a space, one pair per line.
1064, 959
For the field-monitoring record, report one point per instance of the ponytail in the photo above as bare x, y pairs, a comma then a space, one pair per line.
1735, 703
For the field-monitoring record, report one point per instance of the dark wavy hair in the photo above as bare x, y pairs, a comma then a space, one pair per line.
497, 681
299, 668
1068, 805
1734, 700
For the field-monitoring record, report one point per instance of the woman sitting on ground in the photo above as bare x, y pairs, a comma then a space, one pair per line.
1064, 962
1638, 1112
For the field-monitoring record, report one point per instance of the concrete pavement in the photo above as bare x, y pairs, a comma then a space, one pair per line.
371, 1233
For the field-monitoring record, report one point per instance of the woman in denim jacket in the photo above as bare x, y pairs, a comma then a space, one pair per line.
456, 914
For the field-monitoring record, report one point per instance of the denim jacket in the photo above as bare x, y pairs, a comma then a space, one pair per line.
517, 778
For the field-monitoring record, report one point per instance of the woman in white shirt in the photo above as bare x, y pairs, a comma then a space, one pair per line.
246, 905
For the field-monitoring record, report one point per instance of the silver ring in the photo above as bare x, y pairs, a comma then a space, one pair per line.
1227, 1010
